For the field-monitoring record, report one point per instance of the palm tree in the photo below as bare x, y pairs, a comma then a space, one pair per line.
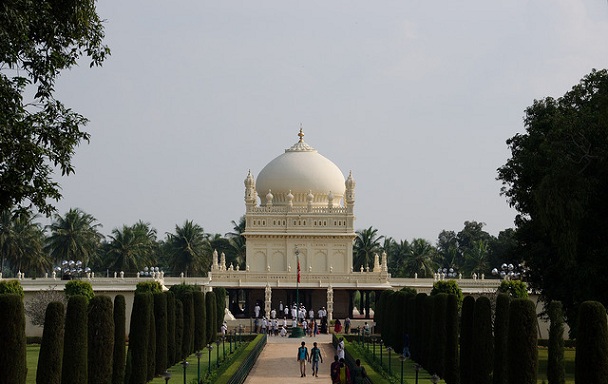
476, 259
132, 248
74, 236
396, 260
21, 242
237, 245
420, 259
367, 243
189, 249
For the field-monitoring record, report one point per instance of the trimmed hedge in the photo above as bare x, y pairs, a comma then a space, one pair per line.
101, 340
482, 353
188, 330
523, 349
220, 302
120, 332
451, 375
171, 353
51, 348
137, 360
160, 319
417, 336
501, 338
200, 334
148, 286
179, 329
556, 371
438, 337
466, 339
11, 286
12, 339
151, 341
591, 361
79, 287
211, 316
74, 368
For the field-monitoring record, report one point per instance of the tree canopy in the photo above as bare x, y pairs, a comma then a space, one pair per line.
38, 134
557, 179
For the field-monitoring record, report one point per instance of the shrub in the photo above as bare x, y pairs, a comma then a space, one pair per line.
211, 316
516, 289
179, 329
466, 339
51, 347
409, 291
447, 286
160, 320
501, 338
151, 341
556, 373
180, 289
188, 319
439, 336
148, 286
119, 355
427, 335
79, 287
36, 308
483, 343
591, 361
220, 302
101, 340
12, 339
74, 368
451, 346
523, 351
170, 329
200, 336
11, 286
139, 334
417, 337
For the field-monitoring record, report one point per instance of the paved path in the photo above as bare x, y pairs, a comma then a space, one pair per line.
277, 362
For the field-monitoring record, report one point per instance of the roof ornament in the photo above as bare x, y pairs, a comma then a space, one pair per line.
301, 134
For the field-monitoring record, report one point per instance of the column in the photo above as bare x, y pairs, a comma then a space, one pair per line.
267, 301
330, 303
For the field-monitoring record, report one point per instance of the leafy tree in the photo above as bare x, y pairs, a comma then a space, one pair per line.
51, 347
21, 242
367, 243
591, 361
36, 307
447, 286
11, 286
556, 179
447, 250
119, 355
420, 259
74, 236
189, 249
101, 340
556, 373
471, 234
523, 343
38, 133
12, 340
79, 288
476, 258
516, 289
74, 368
503, 249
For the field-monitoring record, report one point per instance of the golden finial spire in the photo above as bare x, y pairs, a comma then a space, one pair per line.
301, 134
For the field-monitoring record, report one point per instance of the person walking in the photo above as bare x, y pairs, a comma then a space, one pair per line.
334, 370
358, 373
302, 357
340, 348
343, 374
315, 357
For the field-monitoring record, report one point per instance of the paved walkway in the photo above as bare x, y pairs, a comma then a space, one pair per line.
277, 362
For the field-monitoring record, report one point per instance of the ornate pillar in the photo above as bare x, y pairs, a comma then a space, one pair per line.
267, 300
330, 303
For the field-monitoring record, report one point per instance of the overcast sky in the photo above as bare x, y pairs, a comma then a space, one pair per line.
417, 98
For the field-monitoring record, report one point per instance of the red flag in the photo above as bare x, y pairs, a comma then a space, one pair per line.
298, 270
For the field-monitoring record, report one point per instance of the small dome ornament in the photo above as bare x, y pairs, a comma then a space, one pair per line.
350, 182
290, 199
330, 200
249, 183
269, 198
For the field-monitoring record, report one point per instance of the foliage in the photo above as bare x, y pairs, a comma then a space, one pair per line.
556, 373
139, 334
74, 236
556, 178
447, 286
101, 340
591, 362
11, 286
74, 367
51, 347
36, 307
381, 315
189, 250
501, 338
466, 339
220, 301
171, 354
523, 350
188, 319
438, 336
160, 320
211, 313
419, 343
180, 289
152, 286
451, 375
132, 247
151, 342
409, 291
119, 354
179, 329
12, 339
21, 242
419, 259
367, 243
516, 289
79, 287
482, 343
39, 134
200, 334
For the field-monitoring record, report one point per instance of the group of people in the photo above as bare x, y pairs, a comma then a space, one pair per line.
339, 370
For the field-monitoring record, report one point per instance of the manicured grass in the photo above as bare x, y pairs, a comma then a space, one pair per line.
569, 354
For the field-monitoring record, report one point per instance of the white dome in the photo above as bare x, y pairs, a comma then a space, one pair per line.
300, 170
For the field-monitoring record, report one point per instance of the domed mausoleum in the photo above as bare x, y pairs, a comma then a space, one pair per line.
299, 213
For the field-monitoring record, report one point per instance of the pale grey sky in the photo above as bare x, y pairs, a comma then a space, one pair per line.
417, 98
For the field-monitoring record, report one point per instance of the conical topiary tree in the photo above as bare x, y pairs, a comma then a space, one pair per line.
101, 340
151, 342
74, 367
120, 353
556, 373
417, 338
200, 336
170, 328
439, 336
523, 343
211, 316
160, 320
179, 329
501, 337
220, 305
451, 347
466, 339
12, 340
483, 343
591, 361
139, 334
51, 347
188, 319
